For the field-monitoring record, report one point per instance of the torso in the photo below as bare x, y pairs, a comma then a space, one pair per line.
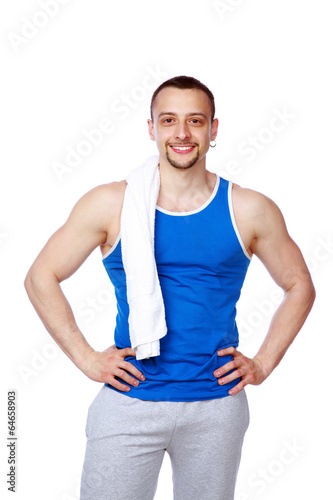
201, 264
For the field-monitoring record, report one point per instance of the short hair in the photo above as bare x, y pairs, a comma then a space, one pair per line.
184, 83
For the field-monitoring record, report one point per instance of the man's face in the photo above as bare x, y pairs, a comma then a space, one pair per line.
182, 126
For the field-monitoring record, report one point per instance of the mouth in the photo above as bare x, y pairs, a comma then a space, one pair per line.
182, 149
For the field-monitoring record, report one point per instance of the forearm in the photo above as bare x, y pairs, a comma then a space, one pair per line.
52, 307
285, 325
55, 312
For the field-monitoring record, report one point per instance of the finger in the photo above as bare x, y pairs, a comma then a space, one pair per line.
226, 351
129, 367
128, 351
237, 388
122, 374
229, 378
225, 368
118, 385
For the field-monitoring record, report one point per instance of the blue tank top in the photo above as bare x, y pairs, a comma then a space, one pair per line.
201, 263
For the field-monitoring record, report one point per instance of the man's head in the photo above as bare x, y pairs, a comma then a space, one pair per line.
182, 121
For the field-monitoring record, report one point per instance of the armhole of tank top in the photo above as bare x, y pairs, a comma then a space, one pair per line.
233, 220
112, 249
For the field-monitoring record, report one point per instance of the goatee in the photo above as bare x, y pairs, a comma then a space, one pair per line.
182, 166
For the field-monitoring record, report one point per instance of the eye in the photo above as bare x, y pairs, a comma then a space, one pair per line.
196, 121
167, 121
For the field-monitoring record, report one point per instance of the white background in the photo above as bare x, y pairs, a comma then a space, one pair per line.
66, 71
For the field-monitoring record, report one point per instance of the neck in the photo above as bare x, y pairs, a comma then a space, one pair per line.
182, 185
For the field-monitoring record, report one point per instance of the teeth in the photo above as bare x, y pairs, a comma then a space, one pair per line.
183, 148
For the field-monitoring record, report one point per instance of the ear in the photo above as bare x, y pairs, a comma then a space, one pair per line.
214, 129
151, 129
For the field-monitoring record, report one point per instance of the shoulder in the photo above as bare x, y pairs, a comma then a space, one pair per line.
100, 205
254, 205
258, 216
105, 193
253, 200
103, 197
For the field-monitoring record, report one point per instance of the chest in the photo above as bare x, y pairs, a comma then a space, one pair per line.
196, 240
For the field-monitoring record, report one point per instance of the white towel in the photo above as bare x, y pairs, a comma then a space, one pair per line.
146, 307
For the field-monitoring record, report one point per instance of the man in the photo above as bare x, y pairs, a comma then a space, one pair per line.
189, 400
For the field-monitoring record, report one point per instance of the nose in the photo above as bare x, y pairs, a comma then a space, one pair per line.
182, 132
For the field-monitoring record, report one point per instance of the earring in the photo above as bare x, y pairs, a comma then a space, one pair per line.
213, 145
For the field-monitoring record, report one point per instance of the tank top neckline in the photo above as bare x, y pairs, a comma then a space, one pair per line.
199, 209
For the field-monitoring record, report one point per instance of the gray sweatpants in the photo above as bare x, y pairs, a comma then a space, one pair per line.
127, 439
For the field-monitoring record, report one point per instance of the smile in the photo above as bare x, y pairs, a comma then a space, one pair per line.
182, 149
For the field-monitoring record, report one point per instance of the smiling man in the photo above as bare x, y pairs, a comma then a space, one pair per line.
189, 400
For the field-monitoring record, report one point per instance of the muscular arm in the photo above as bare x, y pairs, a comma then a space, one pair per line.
271, 243
63, 254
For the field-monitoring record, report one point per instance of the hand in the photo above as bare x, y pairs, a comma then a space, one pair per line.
250, 370
107, 365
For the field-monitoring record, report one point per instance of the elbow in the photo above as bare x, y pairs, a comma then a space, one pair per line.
309, 293
36, 281
304, 292
29, 283
312, 294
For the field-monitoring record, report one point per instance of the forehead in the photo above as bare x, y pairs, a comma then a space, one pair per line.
181, 101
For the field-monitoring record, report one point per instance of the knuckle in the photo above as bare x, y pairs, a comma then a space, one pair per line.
119, 372
112, 357
122, 365
128, 351
105, 375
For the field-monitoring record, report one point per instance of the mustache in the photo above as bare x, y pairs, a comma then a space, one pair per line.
181, 144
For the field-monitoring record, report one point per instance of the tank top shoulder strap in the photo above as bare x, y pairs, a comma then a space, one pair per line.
222, 194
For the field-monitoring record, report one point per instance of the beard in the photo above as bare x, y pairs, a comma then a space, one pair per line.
183, 166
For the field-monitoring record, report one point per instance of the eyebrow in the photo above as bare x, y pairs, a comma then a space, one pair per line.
166, 113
